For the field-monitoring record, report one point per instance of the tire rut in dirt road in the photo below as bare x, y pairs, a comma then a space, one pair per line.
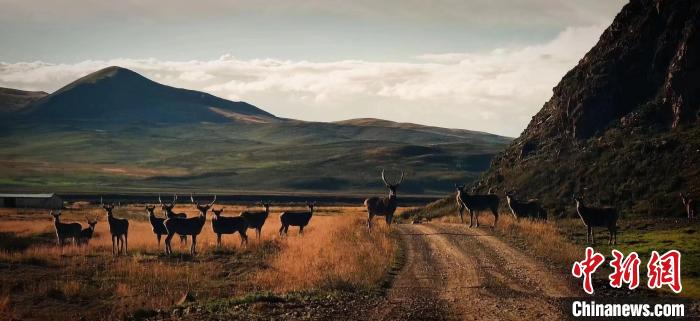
456, 273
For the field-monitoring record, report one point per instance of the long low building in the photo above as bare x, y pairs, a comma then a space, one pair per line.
31, 201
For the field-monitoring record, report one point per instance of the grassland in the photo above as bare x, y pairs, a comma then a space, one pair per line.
279, 157
39, 280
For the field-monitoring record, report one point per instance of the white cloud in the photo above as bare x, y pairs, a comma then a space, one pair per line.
496, 91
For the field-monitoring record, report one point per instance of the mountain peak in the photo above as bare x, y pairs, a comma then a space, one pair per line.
117, 94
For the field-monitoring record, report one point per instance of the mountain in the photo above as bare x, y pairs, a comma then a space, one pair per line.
13, 100
115, 130
125, 96
622, 126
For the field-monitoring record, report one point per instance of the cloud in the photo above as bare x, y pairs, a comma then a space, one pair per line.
496, 91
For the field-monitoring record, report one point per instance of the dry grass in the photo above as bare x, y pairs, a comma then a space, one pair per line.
543, 239
334, 252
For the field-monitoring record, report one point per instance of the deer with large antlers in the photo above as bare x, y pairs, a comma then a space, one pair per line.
256, 219
119, 228
229, 225
187, 226
169, 213
383, 206
65, 230
476, 203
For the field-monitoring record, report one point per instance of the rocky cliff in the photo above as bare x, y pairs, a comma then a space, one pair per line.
622, 126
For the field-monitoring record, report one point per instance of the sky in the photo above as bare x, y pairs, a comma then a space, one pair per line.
486, 65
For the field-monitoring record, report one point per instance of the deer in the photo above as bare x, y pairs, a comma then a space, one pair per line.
296, 218
229, 225
187, 226
525, 209
383, 206
65, 230
475, 203
256, 219
597, 217
689, 205
86, 233
119, 228
156, 223
169, 213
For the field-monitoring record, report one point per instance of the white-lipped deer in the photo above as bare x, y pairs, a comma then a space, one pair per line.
119, 228
256, 219
169, 213
65, 230
187, 226
296, 218
229, 225
383, 206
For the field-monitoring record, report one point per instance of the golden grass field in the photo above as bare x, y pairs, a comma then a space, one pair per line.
39, 280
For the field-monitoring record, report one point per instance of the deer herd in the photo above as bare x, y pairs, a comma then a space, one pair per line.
184, 226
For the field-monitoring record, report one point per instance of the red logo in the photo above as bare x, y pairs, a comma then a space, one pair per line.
665, 270
587, 267
624, 271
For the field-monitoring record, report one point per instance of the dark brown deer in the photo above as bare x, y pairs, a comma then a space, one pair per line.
525, 209
229, 225
86, 233
689, 205
65, 230
597, 217
476, 203
256, 219
156, 223
169, 213
383, 206
187, 226
296, 218
119, 228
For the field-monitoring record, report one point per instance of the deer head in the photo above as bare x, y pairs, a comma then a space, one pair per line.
167, 206
107, 207
55, 214
218, 212
151, 210
203, 208
310, 205
91, 223
392, 186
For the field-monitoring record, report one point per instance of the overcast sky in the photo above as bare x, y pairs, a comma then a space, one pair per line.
475, 64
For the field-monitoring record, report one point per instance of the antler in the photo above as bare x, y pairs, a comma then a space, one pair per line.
388, 184
192, 199
174, 198
212, 202
160, 200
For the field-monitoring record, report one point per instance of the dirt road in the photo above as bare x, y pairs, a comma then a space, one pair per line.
456, 273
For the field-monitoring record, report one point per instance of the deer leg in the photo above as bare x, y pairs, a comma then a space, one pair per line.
389, 219
193, 248
301, 229
244, 239
369, 220
281, 229
158, 236
476, 216
592, 236
126, 243
168, 238
114, 245
495, 215
461, 214
218, 240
